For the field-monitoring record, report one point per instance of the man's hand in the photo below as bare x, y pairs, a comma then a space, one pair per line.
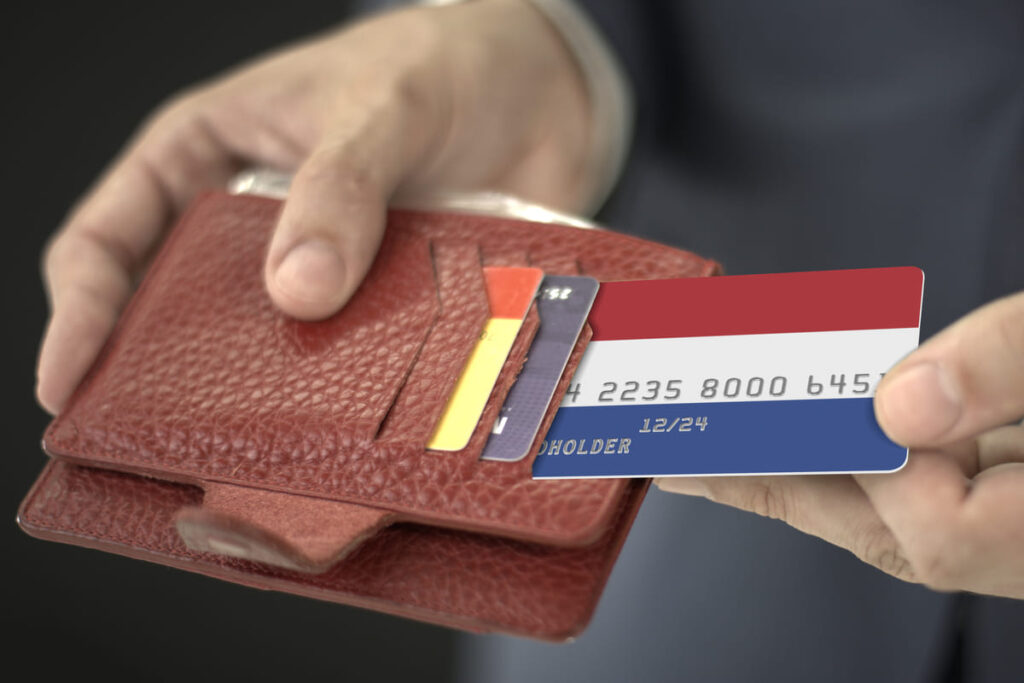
953, 518
476, 96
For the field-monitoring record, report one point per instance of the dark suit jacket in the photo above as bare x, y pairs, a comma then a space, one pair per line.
799, 135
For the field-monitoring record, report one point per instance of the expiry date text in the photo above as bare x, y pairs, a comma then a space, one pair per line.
666, 425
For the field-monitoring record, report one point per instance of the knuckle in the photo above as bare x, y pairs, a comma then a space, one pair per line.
878, 547
422, 33
60, 253
51, 254
422, 37
356, 178
182, 103
1010, 328
342, 168
72, 263
175, 110
412, 90
765, 498
770, 500
938, 567
893, 561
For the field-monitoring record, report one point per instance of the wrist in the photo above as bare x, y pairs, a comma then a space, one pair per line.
610, 100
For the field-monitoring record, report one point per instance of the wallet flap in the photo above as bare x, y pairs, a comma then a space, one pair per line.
471, 581
295, 532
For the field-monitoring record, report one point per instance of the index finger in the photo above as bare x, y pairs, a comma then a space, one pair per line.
91, 264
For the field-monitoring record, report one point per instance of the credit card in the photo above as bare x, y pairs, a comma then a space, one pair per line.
752, 374
563, 305
510, 291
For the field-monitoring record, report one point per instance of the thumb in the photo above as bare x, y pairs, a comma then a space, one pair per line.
967, 379
333, 220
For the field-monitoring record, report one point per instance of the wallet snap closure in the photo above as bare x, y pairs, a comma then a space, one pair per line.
293, 532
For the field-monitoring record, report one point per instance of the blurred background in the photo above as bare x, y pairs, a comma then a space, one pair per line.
792, 135
77, 81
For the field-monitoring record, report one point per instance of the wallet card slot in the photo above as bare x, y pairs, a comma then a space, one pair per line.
200, 386
506, 256
507, 377
555, 262
556, 398
633, 259
464, 312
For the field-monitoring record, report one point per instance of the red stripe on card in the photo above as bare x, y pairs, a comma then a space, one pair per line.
868, 299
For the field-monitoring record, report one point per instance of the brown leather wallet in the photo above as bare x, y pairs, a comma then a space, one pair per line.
217, 435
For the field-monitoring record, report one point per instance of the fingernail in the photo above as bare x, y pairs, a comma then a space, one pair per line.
312, 272
919, 405
689, 486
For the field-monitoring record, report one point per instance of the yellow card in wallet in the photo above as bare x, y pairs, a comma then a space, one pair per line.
510, 291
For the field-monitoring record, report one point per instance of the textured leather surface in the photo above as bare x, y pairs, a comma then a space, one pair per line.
461, 283
453, 578
308, 438
204, 381
298, 532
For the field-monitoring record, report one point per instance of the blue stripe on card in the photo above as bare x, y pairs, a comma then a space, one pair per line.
746, 437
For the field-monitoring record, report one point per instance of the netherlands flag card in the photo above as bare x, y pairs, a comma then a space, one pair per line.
736, 375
